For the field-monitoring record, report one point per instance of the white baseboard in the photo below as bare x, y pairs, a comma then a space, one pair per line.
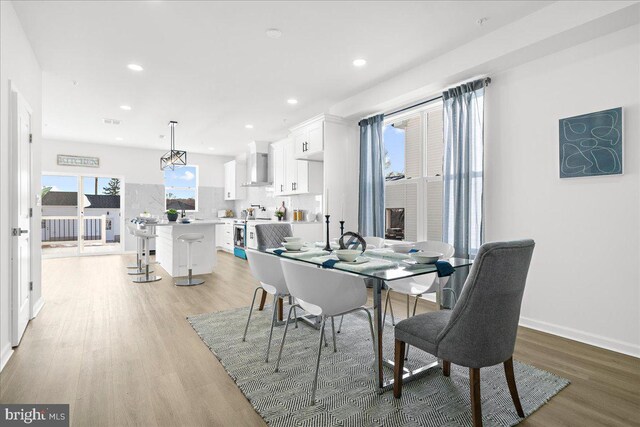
37, 307
581, 336
574, 334
5, 355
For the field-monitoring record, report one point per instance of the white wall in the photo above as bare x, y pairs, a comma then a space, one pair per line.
584, 279
136, 165
19, 65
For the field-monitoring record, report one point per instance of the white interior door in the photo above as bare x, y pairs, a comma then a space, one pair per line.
21, 216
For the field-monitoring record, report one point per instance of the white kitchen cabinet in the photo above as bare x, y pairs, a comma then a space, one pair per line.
251, 239
234, 176
290, 168
309, 140
224, 235
293, 176
278, 168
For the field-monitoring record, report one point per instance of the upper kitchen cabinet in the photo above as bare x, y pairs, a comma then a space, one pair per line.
278, 163
234, 176
309, 137
292, 176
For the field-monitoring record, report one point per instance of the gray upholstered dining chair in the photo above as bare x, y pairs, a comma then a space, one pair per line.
272, 235
269, 236
481, 329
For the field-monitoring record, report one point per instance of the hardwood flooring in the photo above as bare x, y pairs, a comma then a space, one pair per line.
123, 354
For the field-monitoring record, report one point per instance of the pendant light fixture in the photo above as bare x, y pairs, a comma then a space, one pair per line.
173, 157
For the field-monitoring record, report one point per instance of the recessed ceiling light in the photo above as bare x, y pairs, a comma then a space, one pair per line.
249, 126
359, 62
135, 67
274, 33
125, 107
292, 101
118, 139
212, 148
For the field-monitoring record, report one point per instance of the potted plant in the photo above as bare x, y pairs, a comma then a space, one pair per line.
279, 215
172, 215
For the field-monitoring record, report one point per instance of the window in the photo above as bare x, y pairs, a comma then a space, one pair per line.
394, 137
181, 188
414, 149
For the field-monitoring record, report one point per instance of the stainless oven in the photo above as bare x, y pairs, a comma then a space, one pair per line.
239, 238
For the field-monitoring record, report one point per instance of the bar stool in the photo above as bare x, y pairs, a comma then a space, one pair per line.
137, 268
145, 236
189, 239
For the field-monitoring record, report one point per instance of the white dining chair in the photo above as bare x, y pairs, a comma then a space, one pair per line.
267, 270
417, 286
374, 242
324, 293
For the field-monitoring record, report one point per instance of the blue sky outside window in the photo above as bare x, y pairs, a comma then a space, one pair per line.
394, 145
181, 188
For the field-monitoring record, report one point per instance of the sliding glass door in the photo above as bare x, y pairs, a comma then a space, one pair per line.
60, 226
81, 215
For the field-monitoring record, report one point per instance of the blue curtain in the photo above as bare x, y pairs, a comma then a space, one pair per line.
371, 201
463, 167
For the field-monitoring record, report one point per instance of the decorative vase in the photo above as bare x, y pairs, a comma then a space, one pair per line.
172, 217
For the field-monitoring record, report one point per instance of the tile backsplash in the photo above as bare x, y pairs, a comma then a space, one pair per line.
264, 196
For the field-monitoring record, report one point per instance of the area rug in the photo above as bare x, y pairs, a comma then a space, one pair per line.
347, 395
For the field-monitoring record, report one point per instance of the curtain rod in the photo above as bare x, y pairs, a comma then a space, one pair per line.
486, 83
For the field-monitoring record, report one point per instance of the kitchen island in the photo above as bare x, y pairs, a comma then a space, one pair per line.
171, 253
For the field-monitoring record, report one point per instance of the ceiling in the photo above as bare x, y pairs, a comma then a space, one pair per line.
211, 67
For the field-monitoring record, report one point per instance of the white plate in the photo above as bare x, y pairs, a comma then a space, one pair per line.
294, 252
360, 260
414, 262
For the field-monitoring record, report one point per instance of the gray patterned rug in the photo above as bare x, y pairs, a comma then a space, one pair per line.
346, 393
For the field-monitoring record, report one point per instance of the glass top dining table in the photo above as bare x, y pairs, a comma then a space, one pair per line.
397, 268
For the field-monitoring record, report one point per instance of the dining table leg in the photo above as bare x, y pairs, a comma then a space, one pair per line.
378, 284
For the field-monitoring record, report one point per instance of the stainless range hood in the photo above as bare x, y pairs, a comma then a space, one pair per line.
257, 166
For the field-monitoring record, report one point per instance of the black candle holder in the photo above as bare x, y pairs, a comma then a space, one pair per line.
328, 245
341, 227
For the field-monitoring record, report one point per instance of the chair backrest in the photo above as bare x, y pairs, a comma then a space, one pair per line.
333, 291
272, 235
267, 270
433, 245
374, 242
483, 324
131, 227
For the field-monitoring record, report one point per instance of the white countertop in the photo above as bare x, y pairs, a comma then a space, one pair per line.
193, 222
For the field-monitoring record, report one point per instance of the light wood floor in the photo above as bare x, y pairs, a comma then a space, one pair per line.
123, 354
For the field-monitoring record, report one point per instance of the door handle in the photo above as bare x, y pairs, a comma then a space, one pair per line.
18, 231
